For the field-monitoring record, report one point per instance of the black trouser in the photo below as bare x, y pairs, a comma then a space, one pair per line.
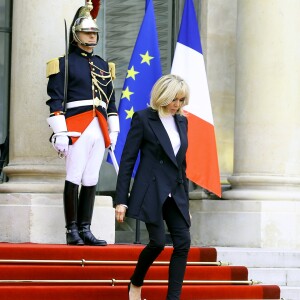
180, 234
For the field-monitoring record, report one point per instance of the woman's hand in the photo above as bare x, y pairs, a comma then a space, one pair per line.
120, 213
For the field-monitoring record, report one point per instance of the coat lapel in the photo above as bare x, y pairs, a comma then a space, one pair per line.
162, 135
183, 138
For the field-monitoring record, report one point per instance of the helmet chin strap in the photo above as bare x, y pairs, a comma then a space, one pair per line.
89, 44
77, 39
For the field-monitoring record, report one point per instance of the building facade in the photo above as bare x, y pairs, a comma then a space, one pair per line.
252, 60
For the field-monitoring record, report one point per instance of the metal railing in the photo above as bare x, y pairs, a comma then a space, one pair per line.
114, 282
84, 262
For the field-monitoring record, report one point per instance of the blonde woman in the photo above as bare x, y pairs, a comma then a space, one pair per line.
160, 189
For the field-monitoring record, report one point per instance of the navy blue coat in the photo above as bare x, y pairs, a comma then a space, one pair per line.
159, 173
80, 84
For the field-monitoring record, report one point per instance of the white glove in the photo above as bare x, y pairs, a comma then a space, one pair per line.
61, 144
113, 139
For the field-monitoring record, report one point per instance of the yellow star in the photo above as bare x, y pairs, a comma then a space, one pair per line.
131, 73
129, 113
126, 94
146, 58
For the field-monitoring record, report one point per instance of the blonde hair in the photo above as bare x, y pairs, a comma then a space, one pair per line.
165, 90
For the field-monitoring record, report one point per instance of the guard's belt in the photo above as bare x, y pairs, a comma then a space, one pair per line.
95, 102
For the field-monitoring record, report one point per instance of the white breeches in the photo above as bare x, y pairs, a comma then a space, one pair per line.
85, 157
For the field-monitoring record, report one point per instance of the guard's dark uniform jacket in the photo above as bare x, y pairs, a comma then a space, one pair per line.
89, 78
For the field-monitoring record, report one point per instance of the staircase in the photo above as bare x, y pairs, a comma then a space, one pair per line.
41, 271
280, 267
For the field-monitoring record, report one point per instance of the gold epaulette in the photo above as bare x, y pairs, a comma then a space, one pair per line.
112, 70
52, 67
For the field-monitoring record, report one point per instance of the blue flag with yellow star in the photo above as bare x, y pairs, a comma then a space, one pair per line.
143, 71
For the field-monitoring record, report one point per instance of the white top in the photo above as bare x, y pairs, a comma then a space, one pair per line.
171, 128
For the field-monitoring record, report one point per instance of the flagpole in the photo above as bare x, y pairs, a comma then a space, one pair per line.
137, 232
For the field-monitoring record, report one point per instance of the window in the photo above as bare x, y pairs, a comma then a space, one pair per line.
120, 22
5, 42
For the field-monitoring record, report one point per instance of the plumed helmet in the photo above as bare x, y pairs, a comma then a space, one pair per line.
84, 21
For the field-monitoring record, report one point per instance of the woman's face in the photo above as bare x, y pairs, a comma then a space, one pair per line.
174, 106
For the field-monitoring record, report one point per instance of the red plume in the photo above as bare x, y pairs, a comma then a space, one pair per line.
96, 7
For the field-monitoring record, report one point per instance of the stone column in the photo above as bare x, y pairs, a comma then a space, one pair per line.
38, 35
32, 198
267, 123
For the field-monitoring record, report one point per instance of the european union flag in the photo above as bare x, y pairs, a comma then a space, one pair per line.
143, 71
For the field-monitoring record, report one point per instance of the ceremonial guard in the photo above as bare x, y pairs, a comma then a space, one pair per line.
84, 120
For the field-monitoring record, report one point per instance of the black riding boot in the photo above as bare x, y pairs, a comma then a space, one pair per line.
85, 213
70, 207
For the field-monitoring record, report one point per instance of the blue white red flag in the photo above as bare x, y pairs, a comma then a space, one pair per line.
188, 62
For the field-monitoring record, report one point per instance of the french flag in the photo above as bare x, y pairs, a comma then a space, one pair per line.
188, 62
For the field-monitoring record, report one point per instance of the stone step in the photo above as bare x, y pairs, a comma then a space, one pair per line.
39, 218
259, 257
270, 266
288, 279
290, 293
280, 276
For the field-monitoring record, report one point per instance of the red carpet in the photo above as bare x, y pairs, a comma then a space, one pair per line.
149, 293
111, 252
12, 272
19, 272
